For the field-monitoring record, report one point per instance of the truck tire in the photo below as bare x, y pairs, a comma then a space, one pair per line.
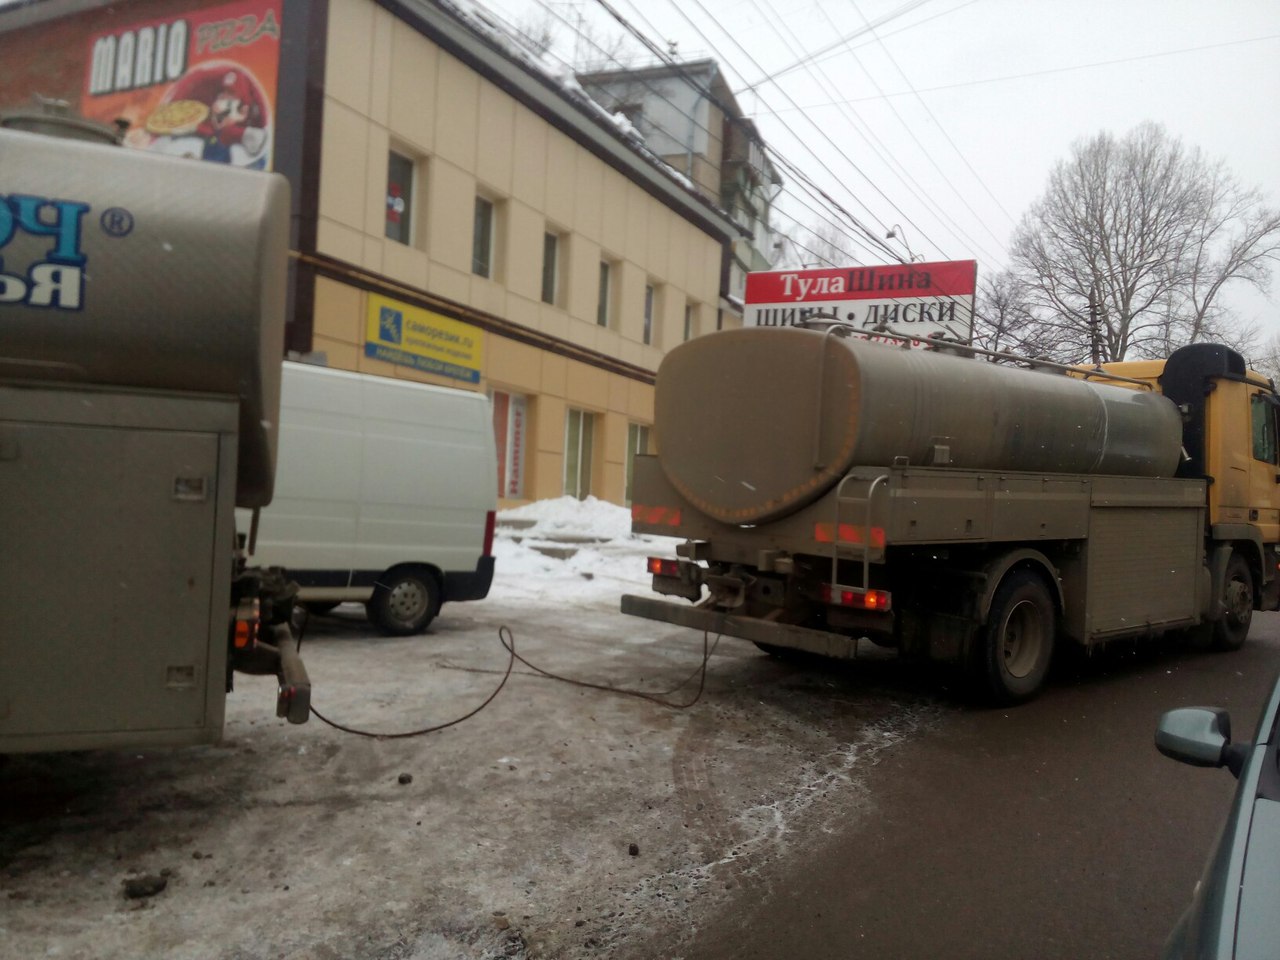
1230, 631
404, 602
1017, 643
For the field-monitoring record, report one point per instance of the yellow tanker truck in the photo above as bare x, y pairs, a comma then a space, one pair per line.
829, 489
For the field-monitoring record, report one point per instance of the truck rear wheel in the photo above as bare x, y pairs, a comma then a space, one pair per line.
1230, 631
404, 602
1017, 644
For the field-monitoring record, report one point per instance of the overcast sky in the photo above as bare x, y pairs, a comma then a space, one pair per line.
947, 118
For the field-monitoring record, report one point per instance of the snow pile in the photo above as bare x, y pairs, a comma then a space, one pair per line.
579, 551
570, 517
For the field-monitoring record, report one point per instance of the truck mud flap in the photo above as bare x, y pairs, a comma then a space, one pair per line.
745, 628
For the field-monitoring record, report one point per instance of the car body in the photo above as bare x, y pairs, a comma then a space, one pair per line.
1233, 911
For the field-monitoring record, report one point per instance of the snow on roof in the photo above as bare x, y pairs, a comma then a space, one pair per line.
560, 75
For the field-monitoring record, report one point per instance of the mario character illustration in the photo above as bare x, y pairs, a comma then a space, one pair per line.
214, 113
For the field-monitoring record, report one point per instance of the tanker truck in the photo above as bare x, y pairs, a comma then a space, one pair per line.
141, 331
830, 490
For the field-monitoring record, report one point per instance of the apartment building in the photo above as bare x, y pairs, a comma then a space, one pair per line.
687, 114
460, 216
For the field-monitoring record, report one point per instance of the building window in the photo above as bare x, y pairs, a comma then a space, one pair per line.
603, 313
578, 430
482, 239
551, 268
637, 443
690, 317
399, 198
649, 297
511, 434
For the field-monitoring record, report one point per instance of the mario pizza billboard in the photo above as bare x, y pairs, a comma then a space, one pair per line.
923, 300
198, 84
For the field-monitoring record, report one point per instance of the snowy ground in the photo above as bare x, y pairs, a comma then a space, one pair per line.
559, 821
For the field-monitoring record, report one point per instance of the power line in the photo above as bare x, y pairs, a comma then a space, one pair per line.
1024, 76
892, 164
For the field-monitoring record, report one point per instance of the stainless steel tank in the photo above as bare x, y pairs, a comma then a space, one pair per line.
122, 268
753, 424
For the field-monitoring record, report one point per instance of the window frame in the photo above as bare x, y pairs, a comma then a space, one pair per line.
552, 240
638, 435
407, 216
487, 238
578, 451
604, 294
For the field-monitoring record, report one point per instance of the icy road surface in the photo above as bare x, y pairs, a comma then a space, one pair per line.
558, 822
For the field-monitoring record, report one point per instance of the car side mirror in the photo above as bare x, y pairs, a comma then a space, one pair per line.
1199, 736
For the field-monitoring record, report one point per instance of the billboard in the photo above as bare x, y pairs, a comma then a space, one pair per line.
911, 299
200, 83
399, 333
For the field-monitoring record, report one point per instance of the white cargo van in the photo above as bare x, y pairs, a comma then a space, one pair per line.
385, 495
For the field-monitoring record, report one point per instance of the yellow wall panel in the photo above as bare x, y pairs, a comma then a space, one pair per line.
339, 312
457, 112
339, 355
529, 176
495, 147
550, 426
452, 202
381, 67
411, 109
344, 155
338, 240
587, 386
513, 363
555, 374
348, 52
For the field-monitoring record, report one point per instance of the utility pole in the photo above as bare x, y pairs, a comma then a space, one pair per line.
1095, 345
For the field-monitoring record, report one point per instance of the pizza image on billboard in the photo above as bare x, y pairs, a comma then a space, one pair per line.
177, 118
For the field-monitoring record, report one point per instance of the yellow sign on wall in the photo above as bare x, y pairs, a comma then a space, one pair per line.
412, 337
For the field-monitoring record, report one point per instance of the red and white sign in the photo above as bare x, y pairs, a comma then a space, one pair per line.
510, 417
911, 299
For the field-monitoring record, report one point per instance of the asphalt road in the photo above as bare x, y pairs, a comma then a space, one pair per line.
1053, 830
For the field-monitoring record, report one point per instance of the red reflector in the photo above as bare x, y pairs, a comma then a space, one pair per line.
244, 634
660, 567
490, 520
880, 601
655, 516
849, 533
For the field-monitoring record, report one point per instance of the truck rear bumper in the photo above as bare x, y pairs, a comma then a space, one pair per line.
747, 628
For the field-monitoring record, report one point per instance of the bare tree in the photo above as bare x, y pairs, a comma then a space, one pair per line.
1003, 319
1131, 245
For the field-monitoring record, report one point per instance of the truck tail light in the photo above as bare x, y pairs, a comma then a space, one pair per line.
661, 567
247, 621
490, 520
880, 601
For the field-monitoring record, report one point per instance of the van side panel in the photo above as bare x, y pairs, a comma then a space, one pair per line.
428, 460
312, 521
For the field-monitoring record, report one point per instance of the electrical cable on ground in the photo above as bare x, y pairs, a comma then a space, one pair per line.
508, 641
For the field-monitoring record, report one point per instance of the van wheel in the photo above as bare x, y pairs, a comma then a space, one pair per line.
1017, 644
1237, 600
404, 602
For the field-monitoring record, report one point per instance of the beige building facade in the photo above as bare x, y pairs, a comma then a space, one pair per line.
389, 89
